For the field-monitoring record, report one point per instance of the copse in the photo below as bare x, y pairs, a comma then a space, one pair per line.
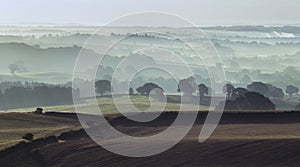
35, 96
258, 87
249, 101
147, 88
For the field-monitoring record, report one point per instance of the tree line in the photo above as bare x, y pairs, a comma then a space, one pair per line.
33, 96
256, 96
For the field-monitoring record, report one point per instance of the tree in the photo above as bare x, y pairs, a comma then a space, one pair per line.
277, 93
38, 110
130, 91
147, 88
250, 101
291, 89
227, 89
203, 89
274, 92
13, 68
259, 102
28, 136
103, 86
258, 87
187, 86
141, 90
238, 92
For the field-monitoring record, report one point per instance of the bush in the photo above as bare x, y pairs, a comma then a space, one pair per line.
38, 111
28, 136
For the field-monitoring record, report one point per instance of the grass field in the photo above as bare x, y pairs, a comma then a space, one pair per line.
106, 104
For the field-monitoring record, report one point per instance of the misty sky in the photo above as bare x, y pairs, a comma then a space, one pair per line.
200, 12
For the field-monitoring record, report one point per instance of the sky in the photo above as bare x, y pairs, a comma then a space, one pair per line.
200, 12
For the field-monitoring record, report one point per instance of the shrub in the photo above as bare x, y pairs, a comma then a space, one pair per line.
28, 136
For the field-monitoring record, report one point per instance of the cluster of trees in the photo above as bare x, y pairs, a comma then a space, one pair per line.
20, 97
254, 97
147, 88
265, 89
104, 86
189, 86
8, 84
249, 101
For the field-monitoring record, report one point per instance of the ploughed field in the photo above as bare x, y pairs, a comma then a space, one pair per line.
15, 125
241, 139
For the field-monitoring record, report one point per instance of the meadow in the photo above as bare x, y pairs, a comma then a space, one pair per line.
106, 105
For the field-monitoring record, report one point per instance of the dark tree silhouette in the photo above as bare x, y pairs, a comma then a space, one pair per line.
28, 136
37, 95
274, 92
203, 90
258, 87
38, 110
291, 89
227, 89
250, 101
146, 88
103, 86
131, 91
187, 86
238, 92
277, 93
141, 90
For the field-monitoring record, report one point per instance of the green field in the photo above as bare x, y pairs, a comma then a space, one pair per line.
106, 105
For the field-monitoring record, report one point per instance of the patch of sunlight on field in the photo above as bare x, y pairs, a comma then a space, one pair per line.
107, 106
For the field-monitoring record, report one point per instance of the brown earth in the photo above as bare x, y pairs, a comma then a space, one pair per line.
241, 139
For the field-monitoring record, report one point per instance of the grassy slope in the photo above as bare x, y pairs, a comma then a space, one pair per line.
107, 106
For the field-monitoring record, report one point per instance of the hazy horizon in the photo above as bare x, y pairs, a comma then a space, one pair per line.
201, 13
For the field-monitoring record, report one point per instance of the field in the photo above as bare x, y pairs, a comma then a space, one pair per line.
14, 125
241, 139
106, 104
